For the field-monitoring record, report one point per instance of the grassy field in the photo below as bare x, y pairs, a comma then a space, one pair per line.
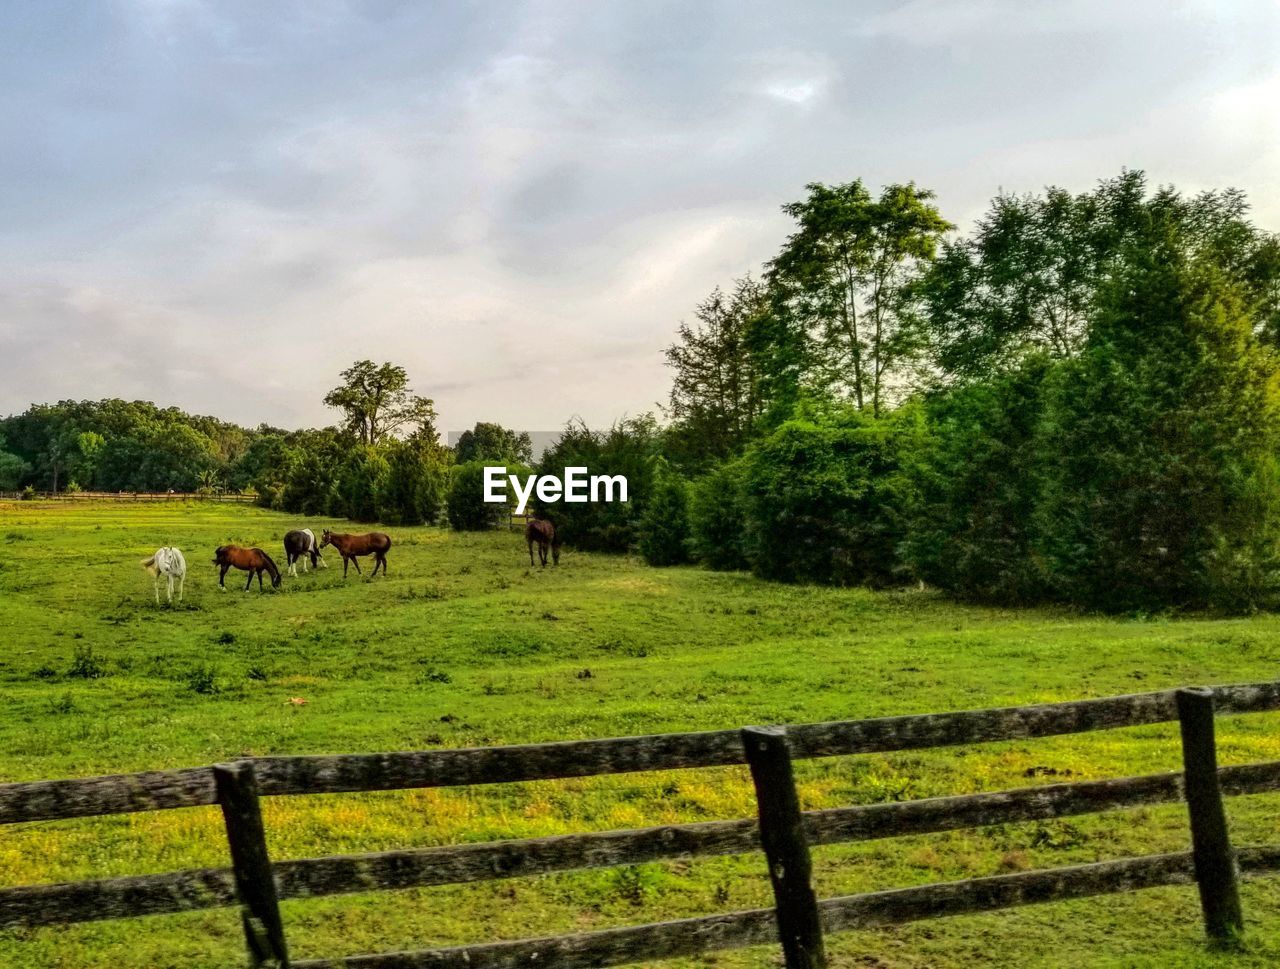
463, 644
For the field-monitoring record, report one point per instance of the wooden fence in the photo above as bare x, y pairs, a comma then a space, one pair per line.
127, 496
784, 832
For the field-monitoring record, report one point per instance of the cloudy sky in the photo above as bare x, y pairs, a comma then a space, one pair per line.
220, 205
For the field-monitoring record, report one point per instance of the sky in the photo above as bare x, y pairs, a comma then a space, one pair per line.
221, 205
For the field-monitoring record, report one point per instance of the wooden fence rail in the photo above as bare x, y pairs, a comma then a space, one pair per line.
256, 883
126, 496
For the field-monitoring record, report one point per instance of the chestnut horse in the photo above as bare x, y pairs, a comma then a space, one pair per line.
542, 531
376, 544
252, 560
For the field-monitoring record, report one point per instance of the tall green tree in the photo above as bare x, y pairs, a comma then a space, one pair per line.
1165, 433
717, 394
377, 402
493, 442
1028, 280
845, 283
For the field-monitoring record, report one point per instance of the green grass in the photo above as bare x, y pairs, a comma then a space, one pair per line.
464, 644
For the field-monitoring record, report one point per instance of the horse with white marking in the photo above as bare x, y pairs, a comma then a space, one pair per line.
169, 563
301, 544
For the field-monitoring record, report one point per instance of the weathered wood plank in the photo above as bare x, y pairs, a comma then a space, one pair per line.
449, 768
452, 864
611, 947
116, 898
162, 790
696, 936
112, 794
1215, 862
943, 899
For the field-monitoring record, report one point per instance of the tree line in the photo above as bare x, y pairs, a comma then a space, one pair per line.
1077, 401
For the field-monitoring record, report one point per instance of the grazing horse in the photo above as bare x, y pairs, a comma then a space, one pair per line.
301, 544
376, 544
252, 560
542, 531
167, 561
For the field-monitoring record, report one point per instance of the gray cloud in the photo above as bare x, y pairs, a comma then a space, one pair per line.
221, 205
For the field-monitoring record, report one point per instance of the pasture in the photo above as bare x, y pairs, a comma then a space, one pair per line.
463, 644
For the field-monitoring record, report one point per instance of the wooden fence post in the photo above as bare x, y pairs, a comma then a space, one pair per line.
786, 847
1215, 861
255, 883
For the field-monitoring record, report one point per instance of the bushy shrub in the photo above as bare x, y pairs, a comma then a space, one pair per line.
664, 526
717, 518
828, 497
413, 490
465, 505
360, 478
979, 481
628, 448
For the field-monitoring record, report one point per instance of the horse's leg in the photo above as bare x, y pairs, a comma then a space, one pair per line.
356, 562
344, 566
169, 588
222, 578
182, 584
250, 582
291, 562
384, 564
155, 582
530, 543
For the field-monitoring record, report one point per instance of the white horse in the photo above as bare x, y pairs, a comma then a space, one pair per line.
167, 562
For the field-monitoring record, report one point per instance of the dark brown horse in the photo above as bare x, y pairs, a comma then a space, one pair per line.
376, 544
252, 560
542, 531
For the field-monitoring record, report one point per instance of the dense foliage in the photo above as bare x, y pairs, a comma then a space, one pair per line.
1078, 401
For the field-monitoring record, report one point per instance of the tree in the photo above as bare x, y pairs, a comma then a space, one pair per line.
1028, 280
377, 402
12, 469
465, 505
417, 481
717, 393
828, 496
846, 281
1165, 430
980, 483
664, 526
717, 518
494, 443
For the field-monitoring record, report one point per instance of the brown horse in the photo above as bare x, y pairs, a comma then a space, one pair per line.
376, 544
252, 560
542, 531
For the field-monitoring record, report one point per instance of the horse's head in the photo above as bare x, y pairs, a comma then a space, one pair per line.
326, 538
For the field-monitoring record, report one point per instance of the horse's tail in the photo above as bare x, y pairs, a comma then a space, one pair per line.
271, 567
149, 565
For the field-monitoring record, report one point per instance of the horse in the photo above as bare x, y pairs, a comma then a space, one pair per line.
252, 560
542, 531
301, 544
167, 561
376, 544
